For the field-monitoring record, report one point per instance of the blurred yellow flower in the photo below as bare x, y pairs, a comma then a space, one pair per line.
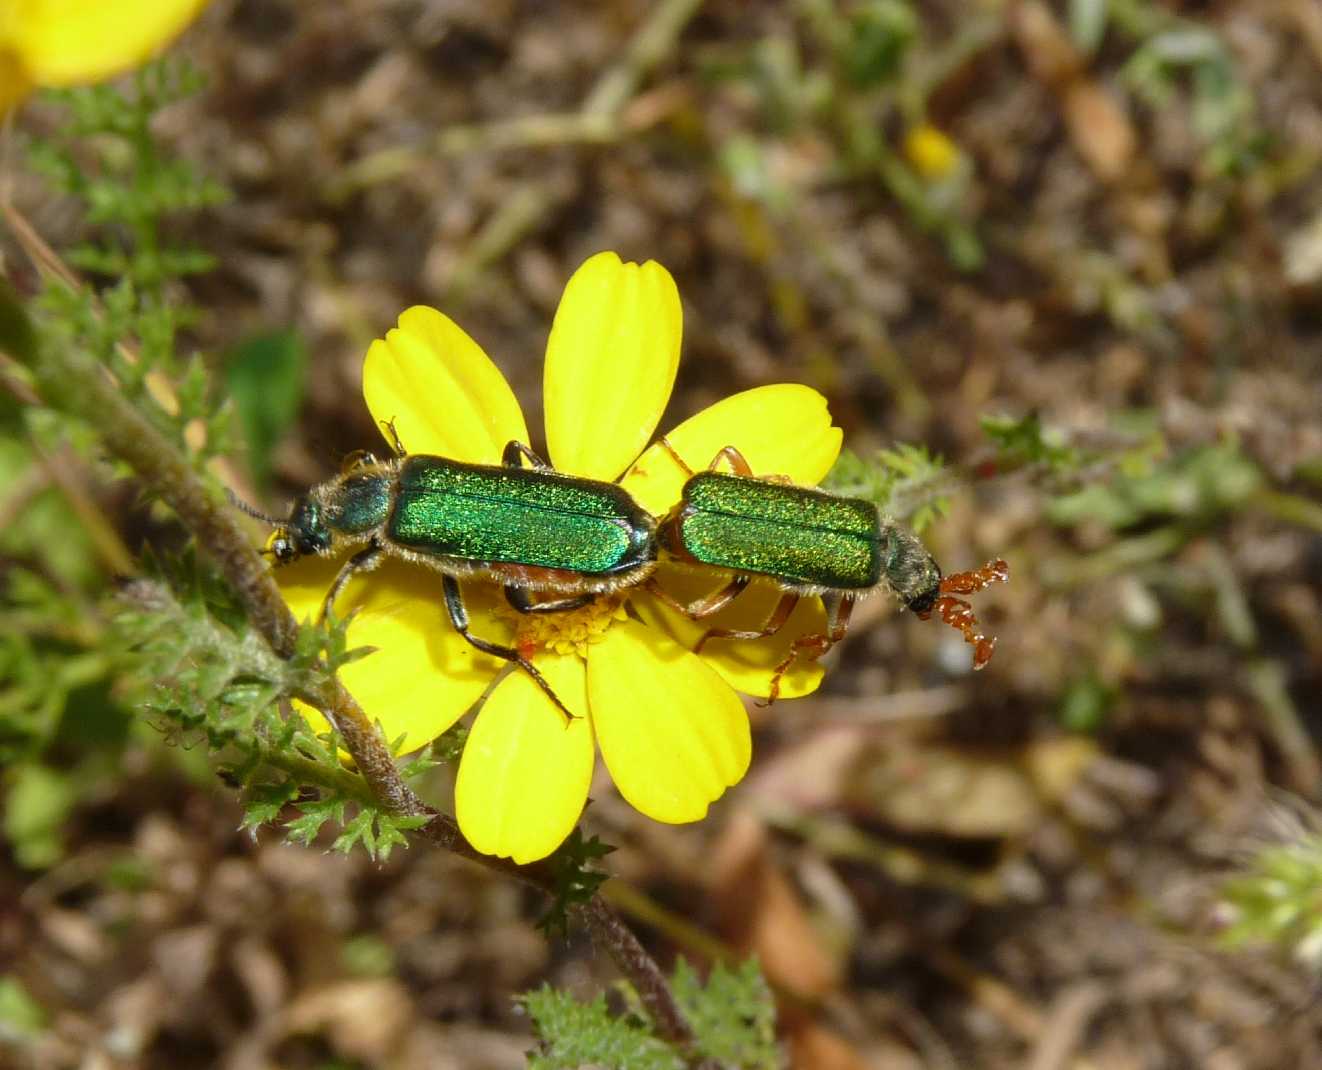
932, 153
52, 43
670, 727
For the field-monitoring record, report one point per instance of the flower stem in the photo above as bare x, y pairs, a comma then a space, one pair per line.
610, 932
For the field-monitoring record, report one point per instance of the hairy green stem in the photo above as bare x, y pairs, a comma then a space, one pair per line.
306, 771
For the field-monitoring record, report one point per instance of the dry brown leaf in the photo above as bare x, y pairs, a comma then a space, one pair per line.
1046, 47
961, 792
814, 1047
364, 1019
763, 915
809, 774
1100, 129
1098, 126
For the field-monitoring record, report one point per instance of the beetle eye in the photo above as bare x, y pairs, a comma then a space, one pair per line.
283, 550
922, 604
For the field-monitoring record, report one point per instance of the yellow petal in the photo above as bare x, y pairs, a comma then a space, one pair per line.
672, 733
444, 394
423, 676
746, 665
14, 81
610, 364
782, 429
524, 775
72, 42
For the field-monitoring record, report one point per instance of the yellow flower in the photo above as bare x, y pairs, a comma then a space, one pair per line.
55, 43
669, 724
932, 153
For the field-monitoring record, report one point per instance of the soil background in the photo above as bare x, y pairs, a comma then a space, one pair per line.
1015, 869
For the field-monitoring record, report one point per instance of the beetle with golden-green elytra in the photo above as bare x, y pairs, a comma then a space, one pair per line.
532, 530
806, 542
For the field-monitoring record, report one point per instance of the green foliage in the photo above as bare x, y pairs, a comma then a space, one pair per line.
37, 802
881, 32
313, 814
1025, 441
1196, 487
367, 955
444, 750
1222, 110
43, 661
378, 831
51, 655
1087, 22
1085, 704
21, 1017
732, 1018
843, 77
1175, 51
203, 675
575, 880
1277, 900
70, 672
128, 186
903, 481
131, 190
17, 336
265, 377
190, 671
574, 1034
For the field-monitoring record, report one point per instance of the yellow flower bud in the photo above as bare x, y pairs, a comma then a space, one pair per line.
932, 154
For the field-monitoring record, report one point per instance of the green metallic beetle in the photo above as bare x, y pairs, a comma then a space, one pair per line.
527, 529
807, 542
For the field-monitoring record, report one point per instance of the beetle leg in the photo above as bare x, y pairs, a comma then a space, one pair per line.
774, 623
357, 459
395, 444
739, 465
737, 461
815, 645
664, 443
454, 605
703, 607
514, 453
521, 599
364, 560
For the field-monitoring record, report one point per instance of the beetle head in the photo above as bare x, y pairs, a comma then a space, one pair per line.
304, 533
910, 569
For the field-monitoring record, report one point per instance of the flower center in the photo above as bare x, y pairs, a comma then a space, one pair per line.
570, 632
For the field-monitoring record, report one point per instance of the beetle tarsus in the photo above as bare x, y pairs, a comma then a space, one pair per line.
515, 452
774, 623
395, 444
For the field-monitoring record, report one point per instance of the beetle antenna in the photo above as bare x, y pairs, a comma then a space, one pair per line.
256, 514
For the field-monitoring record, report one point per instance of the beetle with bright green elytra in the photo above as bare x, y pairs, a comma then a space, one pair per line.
807, 542
528, 529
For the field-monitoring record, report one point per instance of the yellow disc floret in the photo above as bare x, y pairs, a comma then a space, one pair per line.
570, 632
